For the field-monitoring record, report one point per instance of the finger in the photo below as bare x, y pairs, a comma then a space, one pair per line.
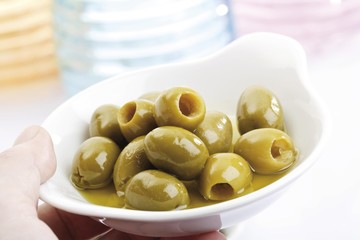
113, 235
116, 235
22, 168
70, 226
26, 135
37, 141
204, 236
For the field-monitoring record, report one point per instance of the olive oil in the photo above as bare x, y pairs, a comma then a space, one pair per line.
107, 196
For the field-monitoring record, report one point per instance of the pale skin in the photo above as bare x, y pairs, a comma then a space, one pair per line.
23, 168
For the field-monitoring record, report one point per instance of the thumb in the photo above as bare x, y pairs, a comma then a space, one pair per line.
30, 162
36, 143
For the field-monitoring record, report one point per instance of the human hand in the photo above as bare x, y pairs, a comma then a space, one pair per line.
29, 163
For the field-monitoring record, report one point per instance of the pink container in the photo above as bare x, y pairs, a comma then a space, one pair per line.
319, 25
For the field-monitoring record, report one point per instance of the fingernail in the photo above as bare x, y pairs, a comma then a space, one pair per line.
28, 134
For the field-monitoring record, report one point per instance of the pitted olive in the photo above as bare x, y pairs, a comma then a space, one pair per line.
258, 107
179, 106
104, 123
225, 175
131, 161
150, 96
94, 162
155, 190
268, 150
216, 132
136, 118
177, 151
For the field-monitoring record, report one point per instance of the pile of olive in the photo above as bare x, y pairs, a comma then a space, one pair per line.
152, 146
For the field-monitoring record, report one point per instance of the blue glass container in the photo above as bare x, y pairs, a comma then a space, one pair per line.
97, 39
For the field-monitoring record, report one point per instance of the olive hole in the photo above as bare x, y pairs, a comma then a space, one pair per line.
222, 191
77, 178
189, 104
127, 112
275, 151
280, 150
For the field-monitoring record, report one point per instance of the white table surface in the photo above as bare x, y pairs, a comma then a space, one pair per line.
323, 204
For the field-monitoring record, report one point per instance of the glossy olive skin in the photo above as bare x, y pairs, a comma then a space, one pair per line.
267, 150
155, 190
104, 123
176, 151
136, 118
94, 162
181, 107
258, 107
225, 176
216, 132
131, 161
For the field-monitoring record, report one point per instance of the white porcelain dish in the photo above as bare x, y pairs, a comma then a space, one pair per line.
274, 61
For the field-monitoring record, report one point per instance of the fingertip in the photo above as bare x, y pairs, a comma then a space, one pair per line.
45, 157
212, 236
27, 134
47, 163
37, 141
71, 226
216, 235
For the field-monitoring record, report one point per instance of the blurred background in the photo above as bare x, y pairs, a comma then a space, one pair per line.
52, 49
81, 42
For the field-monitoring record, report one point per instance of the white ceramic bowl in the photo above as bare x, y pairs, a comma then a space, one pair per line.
274, 61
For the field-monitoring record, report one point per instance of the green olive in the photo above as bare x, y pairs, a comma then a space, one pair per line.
150, 96
94, 162
136, 118
216, 132
155, 190
225, 176
258, 107
176, 151
268, 150
104, 123
131, 161
181, 107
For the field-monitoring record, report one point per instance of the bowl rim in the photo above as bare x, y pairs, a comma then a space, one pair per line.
93, 210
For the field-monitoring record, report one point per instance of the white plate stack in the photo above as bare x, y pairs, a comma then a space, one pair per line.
26, 41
